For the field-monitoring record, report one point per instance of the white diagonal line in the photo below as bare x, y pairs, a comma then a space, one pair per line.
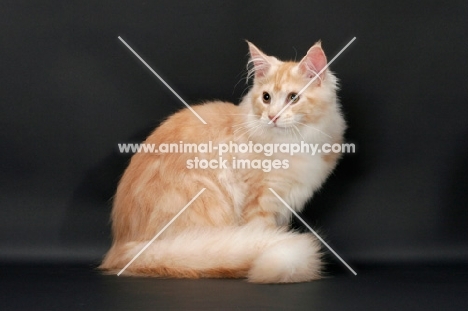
162, 230
313, 79
162, 80
311, 230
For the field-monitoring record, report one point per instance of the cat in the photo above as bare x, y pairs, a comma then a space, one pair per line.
237, 228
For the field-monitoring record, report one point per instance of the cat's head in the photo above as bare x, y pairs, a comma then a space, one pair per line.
279, 99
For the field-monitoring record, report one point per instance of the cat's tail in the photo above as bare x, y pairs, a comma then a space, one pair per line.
262, 255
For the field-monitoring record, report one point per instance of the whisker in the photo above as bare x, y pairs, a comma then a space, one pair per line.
248, 130
237, 136
246, 89
314, 129
243, 130
232, 114
294, 133
256, 128
244, 126
263, 130
288, 130
245, 123
240, 129
243, 76
299, 132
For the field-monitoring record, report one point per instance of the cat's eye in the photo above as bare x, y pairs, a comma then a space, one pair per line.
266, 98
293, 98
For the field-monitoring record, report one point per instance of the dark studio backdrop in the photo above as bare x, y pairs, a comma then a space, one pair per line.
71, 91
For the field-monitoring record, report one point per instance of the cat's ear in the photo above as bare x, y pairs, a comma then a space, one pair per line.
314, 62
259, 63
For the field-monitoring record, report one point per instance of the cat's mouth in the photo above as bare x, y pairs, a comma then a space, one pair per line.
281, 130
280, 126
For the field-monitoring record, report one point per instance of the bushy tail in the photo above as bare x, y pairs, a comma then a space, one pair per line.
262, 255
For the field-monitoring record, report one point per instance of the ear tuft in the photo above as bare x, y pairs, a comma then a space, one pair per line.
314, 62
259, 63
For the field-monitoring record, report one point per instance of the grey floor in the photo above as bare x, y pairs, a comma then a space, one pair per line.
80, 287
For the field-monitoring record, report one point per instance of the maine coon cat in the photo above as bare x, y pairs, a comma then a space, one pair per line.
236, 228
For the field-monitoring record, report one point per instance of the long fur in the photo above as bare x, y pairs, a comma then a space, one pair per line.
237, 227
264, 255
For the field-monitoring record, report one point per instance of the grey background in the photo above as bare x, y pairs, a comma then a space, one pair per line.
70, 91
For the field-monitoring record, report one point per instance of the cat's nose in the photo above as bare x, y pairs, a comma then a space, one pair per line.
273, 117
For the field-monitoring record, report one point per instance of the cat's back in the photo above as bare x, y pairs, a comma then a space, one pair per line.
186, 126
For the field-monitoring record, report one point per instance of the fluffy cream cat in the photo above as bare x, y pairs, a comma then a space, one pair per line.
236, 228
